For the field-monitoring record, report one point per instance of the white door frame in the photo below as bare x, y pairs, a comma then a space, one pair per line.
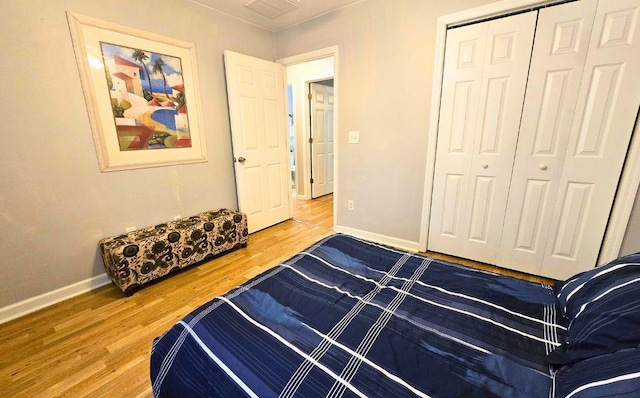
301, 122
629, 179
312, 56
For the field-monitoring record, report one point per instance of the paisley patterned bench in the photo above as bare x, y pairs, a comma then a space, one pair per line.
141, 256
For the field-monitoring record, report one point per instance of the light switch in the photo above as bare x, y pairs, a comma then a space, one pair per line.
354, 137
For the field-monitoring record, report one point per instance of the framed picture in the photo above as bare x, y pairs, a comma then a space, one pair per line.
142, 97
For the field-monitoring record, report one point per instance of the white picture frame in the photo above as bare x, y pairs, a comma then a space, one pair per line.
143, 112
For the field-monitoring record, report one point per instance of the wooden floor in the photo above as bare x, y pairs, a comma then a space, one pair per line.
98, 344
315, 212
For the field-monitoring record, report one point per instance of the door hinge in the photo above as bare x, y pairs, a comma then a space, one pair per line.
310, 140
311, 181
310, 96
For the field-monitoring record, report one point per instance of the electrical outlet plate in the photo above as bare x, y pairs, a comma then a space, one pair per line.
354, 137
350, 205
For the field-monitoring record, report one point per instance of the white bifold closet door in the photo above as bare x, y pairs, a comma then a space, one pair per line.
485, 76
579, 113
557, 65
527, 181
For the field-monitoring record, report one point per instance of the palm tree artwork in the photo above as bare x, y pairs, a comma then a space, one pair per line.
157, 66
149, 112
141, 57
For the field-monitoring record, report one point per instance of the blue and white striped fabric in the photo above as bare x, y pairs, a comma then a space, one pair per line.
350, 318
609, 375
602, 307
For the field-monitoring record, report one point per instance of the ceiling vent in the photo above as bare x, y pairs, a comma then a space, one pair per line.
272, 9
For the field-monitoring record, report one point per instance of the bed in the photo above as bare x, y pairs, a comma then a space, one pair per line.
351, 318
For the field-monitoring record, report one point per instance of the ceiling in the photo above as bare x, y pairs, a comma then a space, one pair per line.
307, 9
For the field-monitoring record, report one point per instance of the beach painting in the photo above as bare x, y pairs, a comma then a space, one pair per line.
147, 97
142, 95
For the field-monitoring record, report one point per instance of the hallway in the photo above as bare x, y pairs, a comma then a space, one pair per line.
317, 212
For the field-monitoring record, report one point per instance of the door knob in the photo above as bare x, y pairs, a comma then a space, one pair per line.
241, 159
543, 166
485, 165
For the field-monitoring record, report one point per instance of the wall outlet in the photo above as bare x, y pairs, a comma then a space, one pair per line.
354, 137
129, 229
350, 205
177, 217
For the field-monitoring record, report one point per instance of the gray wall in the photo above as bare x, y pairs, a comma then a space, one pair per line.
55, 205
386, 50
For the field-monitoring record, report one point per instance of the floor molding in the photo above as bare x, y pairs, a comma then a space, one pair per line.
33, 304
378, 238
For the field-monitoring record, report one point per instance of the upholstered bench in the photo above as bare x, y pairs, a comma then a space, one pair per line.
144, 255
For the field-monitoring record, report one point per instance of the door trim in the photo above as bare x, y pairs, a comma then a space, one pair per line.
629, 179
312, 56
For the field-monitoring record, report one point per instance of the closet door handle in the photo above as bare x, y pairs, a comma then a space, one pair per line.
543, 166
485, 165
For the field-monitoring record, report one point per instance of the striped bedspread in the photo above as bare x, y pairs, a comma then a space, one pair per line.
350, 318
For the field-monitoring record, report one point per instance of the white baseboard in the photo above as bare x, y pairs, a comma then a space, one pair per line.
378, 238
32, 304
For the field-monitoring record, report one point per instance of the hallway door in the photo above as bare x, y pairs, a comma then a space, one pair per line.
322, 155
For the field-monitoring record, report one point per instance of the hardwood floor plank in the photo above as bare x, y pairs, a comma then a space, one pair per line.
99, 343
77, 375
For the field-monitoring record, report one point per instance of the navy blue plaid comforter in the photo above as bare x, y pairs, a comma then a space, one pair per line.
350, 318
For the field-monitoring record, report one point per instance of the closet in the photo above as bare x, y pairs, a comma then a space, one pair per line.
537, 112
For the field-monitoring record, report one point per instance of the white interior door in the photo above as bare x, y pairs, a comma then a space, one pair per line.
557, 63
322, 155
256, 95
485, 75
607, 108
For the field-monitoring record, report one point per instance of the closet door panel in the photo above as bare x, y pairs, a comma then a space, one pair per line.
607, 108
463, 64
559, 53
484, 81
504, 80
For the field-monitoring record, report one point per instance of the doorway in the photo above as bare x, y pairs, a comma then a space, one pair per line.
318, 68
291, 141
318, 210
